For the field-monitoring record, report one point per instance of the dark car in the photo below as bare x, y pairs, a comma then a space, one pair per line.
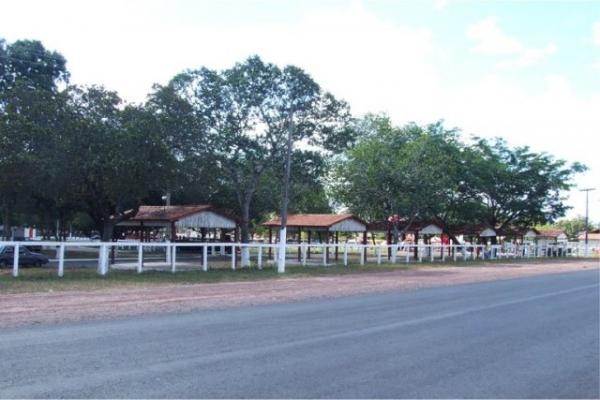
26, 256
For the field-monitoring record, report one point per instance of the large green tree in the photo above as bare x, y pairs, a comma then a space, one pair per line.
253, 114
518, 187
119, 157
30, 79
407, 171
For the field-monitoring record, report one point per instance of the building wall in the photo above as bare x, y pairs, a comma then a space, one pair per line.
348, 225
206, 219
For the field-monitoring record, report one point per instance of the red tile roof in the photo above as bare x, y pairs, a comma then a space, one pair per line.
591, 236
313, 220
168, 213
549, 232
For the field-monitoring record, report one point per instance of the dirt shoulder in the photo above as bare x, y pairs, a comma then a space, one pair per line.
56, 307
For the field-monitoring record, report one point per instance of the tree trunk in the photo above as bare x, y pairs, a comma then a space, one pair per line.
245, 233
284, 202
108, 230
6, 223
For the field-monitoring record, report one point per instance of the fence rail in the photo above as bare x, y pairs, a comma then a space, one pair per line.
303, 254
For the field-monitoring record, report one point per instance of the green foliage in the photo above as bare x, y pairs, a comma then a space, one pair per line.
517, 186
255, 139
427, 172
572, 226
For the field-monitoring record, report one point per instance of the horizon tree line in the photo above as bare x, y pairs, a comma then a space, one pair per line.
254, 139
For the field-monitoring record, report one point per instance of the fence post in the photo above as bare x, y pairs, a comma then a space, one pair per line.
103, 259
140, 261
362, 254
324, 255
205, 258
420, 253
394, 253
346, 254
173, 252
304, 252
61, 260
15, 271
431, 253
378, 251
443, 253
232, 256
407, 253
454, 252
259, 256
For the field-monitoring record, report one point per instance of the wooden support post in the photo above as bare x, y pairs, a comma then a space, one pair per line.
173, 232
416, 243
336, 245
309, 237
299, 244
327, 234
270, 242
364, 252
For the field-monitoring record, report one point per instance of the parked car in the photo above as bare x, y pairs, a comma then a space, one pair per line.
26, 256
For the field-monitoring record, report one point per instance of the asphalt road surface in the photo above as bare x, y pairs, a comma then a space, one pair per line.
526, 338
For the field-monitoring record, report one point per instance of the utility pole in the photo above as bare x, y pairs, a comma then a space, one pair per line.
587, 195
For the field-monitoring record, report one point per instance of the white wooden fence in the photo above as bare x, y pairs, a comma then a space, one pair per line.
300, 254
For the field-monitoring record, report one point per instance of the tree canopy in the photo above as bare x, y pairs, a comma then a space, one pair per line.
431, 174
255, 139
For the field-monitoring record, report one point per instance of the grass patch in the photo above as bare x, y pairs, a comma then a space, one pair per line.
46, 279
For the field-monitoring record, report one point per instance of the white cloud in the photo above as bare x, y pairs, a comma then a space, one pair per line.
596, 33
490, 40
374, 64
439, 5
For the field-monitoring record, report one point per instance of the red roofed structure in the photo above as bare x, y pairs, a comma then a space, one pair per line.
329, 224
201, 217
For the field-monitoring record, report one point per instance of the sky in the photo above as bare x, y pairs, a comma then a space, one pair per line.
527, 71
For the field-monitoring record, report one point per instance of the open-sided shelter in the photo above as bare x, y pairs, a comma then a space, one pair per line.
202, 218
326, 226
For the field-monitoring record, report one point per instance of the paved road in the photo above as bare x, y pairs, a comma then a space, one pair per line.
530, 337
